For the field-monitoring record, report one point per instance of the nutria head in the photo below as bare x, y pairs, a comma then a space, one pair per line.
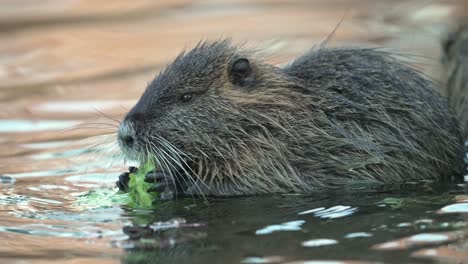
205, 114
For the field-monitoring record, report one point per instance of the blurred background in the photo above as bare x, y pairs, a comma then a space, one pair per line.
54, 53
65, 63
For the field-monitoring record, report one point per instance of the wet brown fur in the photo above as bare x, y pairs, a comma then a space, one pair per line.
332, 118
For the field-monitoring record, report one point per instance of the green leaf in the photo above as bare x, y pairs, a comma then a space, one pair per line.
138, 188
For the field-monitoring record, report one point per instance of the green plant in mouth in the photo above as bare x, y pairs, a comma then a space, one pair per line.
138, 188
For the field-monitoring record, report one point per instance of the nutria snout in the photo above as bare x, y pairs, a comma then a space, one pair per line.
219, 120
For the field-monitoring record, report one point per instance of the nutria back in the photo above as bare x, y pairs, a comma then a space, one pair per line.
222, 121
390, 118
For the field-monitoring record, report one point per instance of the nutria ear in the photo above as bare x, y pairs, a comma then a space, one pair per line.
241, 73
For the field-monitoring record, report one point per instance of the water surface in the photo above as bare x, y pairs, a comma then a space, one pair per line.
68, 68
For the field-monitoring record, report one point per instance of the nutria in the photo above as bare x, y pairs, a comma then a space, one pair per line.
221, 121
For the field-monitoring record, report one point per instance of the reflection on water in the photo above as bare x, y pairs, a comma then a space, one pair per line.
332, 212
455, 208
78, 106
69, 70
46, 145
288, 226
34, 125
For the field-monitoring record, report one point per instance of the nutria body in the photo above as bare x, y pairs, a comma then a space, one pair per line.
221, 121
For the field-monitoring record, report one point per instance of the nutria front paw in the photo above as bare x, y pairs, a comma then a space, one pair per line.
122, 183
162, 183
124, 178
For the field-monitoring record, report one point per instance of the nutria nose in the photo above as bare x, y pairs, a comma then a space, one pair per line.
127, 140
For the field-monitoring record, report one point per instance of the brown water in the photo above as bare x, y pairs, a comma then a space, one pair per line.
77, 62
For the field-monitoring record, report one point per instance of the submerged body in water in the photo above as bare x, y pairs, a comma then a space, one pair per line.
221, 121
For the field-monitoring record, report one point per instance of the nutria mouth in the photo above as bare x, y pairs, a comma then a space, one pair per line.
219, 120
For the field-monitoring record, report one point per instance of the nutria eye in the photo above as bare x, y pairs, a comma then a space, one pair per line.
186, 98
